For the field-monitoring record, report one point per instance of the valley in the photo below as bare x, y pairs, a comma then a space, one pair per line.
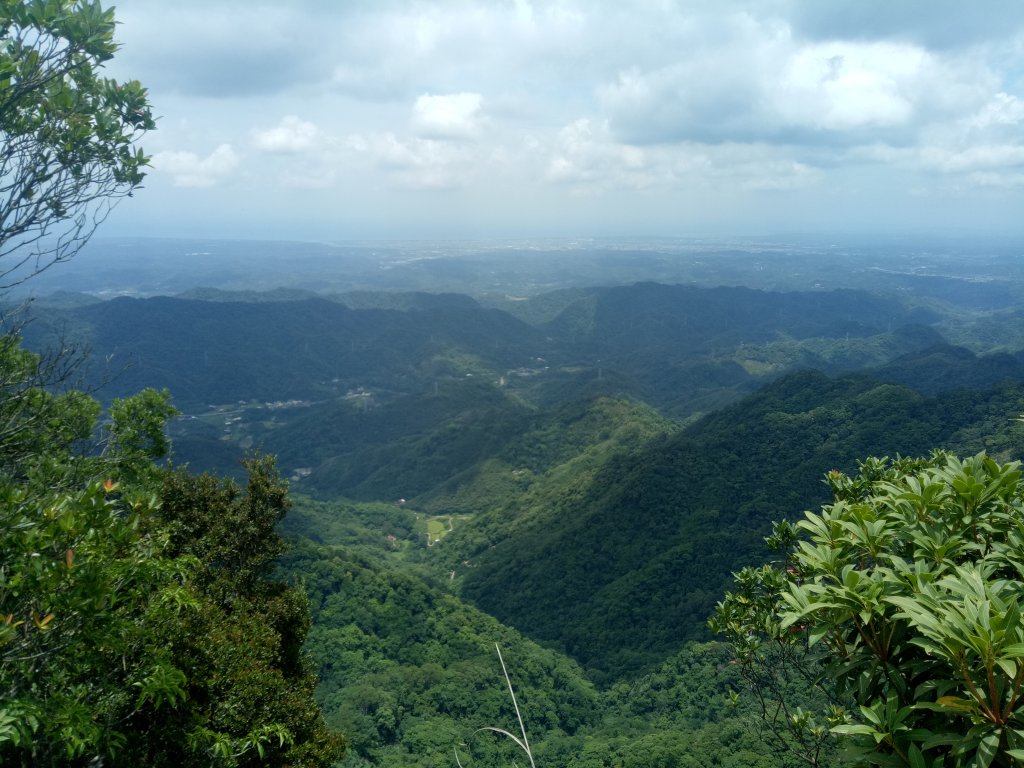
456, 385
568, 463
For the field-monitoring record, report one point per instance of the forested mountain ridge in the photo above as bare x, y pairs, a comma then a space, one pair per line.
316, 375
620, 553
693, 318
305, 348
410, 672
541, 473
306, 340
627, 568
944, 367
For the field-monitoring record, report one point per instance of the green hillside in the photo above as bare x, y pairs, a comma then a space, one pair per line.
409, 673
587, 483
624, 567
657, 343
380, 395
225, 351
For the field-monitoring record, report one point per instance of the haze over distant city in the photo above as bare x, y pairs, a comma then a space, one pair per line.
396, 119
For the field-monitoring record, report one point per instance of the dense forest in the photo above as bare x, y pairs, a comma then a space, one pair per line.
688, 506
576, 485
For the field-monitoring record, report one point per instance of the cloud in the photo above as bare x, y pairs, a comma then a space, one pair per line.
937, 24
974, 159
403, 49
417, 163
290, 136
629, 101
997, 179
707, 84
1001, 110
190, 170
448, 116
222, 50
760, 84
587, 157
844, 86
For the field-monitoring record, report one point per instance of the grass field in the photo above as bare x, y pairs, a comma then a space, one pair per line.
440, 526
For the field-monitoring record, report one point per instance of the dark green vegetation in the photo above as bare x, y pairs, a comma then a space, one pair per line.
677, 347
623, 569
409, 672
569, 473
899, 603
139, 623
589, 474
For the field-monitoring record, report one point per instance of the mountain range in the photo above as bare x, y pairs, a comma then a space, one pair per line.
574, 475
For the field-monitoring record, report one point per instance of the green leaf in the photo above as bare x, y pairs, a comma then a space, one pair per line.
915, 757
816, 632
854, 729
1015, 651
986, 753
957, 704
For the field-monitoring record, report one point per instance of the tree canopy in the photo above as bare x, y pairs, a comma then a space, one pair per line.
899, 604
139, 620
68, 135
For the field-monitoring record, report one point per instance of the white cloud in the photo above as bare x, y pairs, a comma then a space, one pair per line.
417, 163
190, 170
707, 84
448, 116
964, 160
972, 159
843, 86
586, 156
758, 83
1001, 110
291, 135
632, 101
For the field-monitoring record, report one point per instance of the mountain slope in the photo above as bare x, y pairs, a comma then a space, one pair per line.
626, 568
225, 351
409, 672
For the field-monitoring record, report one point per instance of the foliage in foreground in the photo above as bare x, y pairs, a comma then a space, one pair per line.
68, 135
899, 602
138, 625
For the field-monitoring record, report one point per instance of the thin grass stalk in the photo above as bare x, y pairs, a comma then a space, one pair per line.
522, 728
523, 743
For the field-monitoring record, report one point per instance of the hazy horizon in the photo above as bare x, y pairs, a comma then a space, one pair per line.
401, 120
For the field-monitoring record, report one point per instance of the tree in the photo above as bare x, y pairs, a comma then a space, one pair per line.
247, 688
78, 579
139, 624
899, 604
82, 585
68, 136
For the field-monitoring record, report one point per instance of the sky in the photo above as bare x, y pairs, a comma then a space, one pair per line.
344, 120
